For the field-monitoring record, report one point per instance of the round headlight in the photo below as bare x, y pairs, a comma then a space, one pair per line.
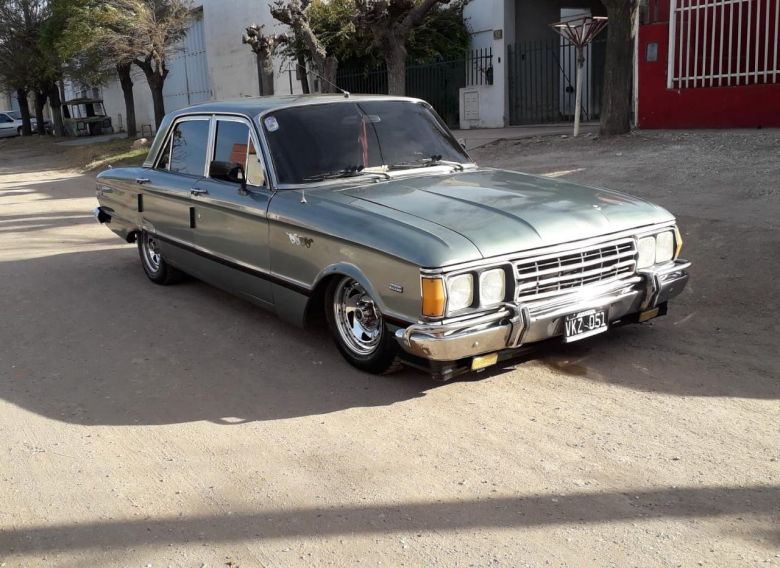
460, 291
664, 247
646, 256
492, 287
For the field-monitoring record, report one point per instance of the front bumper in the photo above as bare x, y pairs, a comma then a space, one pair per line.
516, 324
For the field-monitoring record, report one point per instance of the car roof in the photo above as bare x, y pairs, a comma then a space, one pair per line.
252, 106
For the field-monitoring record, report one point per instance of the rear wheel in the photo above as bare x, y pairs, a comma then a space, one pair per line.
358, 328
155, 266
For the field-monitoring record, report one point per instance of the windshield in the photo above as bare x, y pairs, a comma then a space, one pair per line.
15, 114
315, 142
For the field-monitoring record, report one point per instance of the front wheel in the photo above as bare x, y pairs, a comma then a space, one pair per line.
358, 328
155, 266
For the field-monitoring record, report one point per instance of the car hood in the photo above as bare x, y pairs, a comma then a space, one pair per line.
502, 212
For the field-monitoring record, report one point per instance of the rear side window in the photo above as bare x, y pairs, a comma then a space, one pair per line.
234, 145
186, 148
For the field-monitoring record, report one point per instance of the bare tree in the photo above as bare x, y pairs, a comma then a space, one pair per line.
263, 46
616, 103
391, 23
293, 13
159, 27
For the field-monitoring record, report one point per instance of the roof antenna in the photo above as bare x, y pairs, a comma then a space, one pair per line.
305, 70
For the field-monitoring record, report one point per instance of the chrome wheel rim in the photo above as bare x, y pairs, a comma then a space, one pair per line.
358, 320
151, 251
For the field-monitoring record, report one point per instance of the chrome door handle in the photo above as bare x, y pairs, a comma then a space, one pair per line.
197, 191
141, 181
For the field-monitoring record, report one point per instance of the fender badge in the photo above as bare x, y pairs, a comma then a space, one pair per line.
396, 288
299, 241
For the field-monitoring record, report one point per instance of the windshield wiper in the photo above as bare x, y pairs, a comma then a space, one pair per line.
348, 172
435, 160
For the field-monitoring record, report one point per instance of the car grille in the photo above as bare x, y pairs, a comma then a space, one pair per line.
555, 274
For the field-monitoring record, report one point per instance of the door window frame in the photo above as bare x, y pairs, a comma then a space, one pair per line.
168, 147
252, 136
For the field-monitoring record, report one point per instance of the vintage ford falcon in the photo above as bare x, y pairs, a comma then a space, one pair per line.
365, 211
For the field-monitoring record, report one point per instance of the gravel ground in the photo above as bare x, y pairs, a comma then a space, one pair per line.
178, 426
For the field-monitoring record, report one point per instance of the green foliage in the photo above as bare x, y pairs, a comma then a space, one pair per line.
442, 35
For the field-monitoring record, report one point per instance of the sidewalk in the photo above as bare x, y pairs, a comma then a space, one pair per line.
481, 136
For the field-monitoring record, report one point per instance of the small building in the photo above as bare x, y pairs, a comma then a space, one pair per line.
713, 64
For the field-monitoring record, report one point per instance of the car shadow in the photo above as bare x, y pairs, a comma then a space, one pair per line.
87, 339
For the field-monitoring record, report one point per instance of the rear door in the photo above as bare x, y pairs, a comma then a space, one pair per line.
165, 202
231, 223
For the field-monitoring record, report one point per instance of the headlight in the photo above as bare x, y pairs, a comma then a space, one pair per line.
646, 257
460, 290
664, 247
492, 287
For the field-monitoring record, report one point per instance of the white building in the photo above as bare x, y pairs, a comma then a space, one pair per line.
213, 65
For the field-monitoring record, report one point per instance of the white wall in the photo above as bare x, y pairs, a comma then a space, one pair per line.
484, 19
233, 66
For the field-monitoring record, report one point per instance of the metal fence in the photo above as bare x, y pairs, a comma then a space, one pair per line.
438, 82
542, 77
715, 43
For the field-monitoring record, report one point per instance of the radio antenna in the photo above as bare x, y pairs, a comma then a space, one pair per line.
305, 70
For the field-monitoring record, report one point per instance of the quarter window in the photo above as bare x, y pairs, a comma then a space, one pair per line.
187, 148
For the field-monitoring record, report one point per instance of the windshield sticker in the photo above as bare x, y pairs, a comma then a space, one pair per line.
271, 124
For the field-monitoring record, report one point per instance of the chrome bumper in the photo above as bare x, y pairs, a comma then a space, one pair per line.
517, 324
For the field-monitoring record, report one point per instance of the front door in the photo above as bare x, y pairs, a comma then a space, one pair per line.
230, 221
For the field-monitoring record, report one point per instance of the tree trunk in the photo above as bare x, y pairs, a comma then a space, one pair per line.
331, 71
616, 103
40, 102
265, 71
156, 83
303, 75
56, 109
123, 70
24, 109
395, 58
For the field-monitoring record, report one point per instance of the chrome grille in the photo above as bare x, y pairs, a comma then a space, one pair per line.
554, 274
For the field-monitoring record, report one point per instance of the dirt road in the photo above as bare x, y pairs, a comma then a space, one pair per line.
178, 426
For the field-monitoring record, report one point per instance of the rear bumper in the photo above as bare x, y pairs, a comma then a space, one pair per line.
517, 324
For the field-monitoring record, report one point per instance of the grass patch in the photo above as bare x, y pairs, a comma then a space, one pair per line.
99, 156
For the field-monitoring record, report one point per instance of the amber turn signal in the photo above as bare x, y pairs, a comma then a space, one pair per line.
678, 242
434, 299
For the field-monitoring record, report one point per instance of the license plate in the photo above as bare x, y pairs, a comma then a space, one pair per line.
584, 324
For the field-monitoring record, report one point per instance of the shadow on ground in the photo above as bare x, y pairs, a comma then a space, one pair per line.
497, 513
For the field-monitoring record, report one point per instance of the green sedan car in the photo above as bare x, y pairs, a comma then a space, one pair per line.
365, 212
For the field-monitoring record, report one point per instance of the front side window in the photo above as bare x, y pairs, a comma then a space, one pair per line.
233, 145
314, 142
185, 152
4, 118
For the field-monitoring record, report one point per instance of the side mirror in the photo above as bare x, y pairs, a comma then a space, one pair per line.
229, 171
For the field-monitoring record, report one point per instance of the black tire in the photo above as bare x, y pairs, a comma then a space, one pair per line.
358, 328
153, 263
19, 131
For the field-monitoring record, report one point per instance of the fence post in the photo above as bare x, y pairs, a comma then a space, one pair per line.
672, 38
